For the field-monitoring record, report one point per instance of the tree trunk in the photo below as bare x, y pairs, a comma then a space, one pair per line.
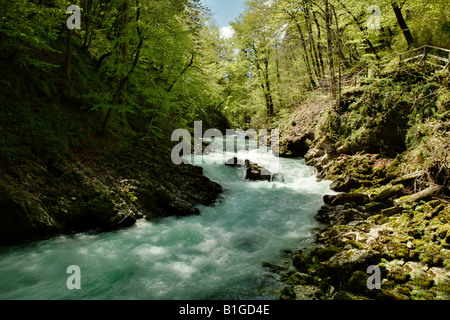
312, 46
328, 21
268, 93
87, 5
125, 48
402, 23
306, 56
340, 57
68, 62
319, 47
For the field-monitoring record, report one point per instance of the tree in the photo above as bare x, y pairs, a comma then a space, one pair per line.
402, 23
328, 22
294, 10
256, 35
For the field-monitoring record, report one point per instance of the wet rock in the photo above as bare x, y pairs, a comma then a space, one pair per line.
330, 215
295, 148
273, 267
278, 178
182, 208
234, 162
112, 192
23, 217
328, 199
257, 173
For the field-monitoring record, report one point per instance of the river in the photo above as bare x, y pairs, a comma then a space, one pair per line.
217, 255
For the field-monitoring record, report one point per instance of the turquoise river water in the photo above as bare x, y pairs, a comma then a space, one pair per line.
217, 255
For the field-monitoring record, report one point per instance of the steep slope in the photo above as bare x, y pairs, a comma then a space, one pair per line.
386, 149
59, 173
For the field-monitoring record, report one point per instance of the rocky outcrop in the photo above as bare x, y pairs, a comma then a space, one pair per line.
387, 160
384, 226
39, 200
411, 250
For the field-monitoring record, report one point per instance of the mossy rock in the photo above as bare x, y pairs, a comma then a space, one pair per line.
399, 277
403, 290
423, 282
326, 253
431, 255
358, 282
300, 279
390, 295
343, 264
393, 250
288, 293
344, 295
302, 262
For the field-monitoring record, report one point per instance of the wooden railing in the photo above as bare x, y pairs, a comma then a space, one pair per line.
438, 57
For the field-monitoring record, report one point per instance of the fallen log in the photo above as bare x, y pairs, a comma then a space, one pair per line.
390, 211
408, 177
427, 193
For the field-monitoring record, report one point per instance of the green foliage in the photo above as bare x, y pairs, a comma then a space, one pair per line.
142, 68
25, 25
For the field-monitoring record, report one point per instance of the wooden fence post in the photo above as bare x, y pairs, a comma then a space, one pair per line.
425, 53
447, 67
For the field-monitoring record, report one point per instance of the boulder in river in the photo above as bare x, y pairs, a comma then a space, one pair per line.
255, 172
234, 162
258, 173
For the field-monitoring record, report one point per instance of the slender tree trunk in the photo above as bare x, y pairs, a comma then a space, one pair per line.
268, 93
328, 21
125, 48
87, 5
402, 23
340, 56
306, 56
319, 47
312, 46
279, 84
68, 61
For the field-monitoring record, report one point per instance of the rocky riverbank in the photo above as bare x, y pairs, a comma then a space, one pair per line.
98, 192
409, 243
385, 148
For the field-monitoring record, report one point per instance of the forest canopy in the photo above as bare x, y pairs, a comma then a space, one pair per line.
167, 61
